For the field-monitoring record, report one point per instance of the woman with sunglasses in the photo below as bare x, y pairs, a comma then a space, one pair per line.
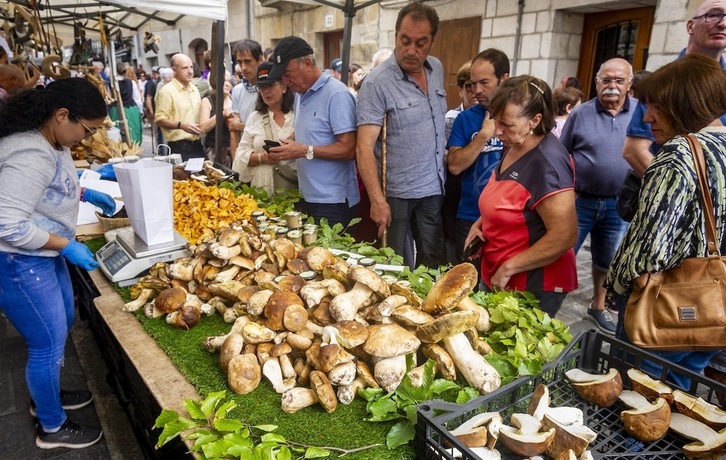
38, 213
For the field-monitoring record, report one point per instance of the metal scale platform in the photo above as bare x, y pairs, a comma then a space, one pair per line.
126, 257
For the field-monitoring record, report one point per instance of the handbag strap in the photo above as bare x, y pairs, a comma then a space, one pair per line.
708, 212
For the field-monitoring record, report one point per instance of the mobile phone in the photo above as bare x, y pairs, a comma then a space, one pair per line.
272, 143
472, 249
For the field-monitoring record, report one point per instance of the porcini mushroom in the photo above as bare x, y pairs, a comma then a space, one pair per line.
476, 370
645, 421
320, 391
699, 409
139, 301
448, 290
600, 389
475, 432
709, 443
575, 436
244, 373
447, 325
315, 291
524, 437
344, 307
649, 387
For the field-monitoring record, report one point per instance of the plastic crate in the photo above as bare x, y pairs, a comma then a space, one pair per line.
591, 351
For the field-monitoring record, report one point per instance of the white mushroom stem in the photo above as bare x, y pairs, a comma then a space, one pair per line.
213, 343
288, 371
298, 398
482, 324
344, 307
139, 301
389, 372
271, 369
347, 393
257, 302
208, 310
476, 370
342, 374
313, 293
151, 311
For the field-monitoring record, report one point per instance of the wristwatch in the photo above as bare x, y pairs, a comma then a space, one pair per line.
310, 154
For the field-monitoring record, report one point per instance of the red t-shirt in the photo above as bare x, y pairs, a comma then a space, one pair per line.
511, 224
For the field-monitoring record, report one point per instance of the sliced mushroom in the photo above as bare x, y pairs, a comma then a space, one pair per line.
709, 443
524, 437
539, 406
600, 389
645, 421
699, 409
479, 431
649, 387
576, 437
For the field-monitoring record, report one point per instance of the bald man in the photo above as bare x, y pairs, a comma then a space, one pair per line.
12, 80
177, 110
594, 135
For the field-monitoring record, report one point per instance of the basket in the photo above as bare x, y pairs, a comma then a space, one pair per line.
591, 351
109, 223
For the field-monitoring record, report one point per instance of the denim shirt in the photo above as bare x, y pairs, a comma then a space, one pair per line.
415, 128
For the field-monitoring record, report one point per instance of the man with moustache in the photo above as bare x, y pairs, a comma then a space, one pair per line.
177, 110
408, 90
473, 150
594, 135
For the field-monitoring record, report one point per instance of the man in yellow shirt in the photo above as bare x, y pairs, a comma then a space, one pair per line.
177, 110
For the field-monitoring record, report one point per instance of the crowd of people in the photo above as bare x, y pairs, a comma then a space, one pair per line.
515, 178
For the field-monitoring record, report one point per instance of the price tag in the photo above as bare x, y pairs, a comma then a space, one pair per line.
194, 164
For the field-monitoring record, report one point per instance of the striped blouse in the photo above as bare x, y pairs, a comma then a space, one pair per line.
669, 224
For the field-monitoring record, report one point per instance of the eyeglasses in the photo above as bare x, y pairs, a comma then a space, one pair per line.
711, 18
607, 81
89, 131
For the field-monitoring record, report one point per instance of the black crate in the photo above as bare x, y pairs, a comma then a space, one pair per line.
591, 351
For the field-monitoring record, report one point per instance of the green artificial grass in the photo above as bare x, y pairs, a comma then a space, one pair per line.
345, 428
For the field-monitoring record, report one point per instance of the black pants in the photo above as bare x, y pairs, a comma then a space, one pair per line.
187, 149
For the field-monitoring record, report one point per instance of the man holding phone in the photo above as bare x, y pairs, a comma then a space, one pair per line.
325, 134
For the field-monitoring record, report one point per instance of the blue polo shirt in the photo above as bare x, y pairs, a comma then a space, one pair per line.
639, 128
595, 140
476, 176
324, 111
416, 135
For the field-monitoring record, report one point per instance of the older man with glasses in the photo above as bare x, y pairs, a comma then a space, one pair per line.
594, 135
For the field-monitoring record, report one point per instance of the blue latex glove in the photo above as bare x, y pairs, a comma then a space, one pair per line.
100, 199
79, 254
106, 171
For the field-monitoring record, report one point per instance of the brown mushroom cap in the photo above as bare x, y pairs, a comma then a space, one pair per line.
280, 349
576, 437
291, 283
331, 355
351, 333
276, 307
602, 390
526, 444
295, 318
389, 340
446, 326
411, 316
318, 258
244, 373
369, 278
648, 422
187, 317
297, 266
323, 390
447, 291
649, 387
246, 292
231, 347
170, 299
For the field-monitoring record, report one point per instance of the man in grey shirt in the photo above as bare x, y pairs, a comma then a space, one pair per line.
408, 90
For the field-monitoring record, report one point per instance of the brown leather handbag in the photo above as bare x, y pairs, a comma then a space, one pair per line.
683, 308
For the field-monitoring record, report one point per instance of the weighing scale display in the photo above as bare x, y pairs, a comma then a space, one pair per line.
115, 259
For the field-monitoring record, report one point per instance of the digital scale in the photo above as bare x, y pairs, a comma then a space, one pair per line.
124, 258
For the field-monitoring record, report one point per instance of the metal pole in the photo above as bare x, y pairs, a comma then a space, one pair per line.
349, 11
218, 63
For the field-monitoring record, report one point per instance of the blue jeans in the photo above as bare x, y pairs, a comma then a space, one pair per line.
598, 218
37, 297
694, 361
423, 217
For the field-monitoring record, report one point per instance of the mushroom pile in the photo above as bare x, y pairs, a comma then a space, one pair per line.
310, 322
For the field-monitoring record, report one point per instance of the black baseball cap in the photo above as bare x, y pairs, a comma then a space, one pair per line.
287, 49
337, 65
263, 74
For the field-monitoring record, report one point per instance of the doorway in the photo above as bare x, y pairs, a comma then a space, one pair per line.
622, 33
465, 34
332, 46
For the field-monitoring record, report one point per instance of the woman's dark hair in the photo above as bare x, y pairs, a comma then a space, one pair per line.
288, 101
689, 93
568, 95
31, 109
532, 94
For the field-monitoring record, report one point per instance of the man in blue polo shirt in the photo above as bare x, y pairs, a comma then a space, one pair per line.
474, 152
594, 134
325, 134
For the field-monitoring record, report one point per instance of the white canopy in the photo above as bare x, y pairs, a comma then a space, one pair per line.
213, 9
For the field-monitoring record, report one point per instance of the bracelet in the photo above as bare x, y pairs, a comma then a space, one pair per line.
83, 190
178, 125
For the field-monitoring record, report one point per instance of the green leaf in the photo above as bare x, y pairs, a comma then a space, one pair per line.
440, 386
166, 416
411, 413
316, 452
194, 409
273, 437
206, 439
216, 449
284, 454
224, 409
170, 431
466, 394
267, 428
382, 407
371, 393
211, 401
227, 425
400, 434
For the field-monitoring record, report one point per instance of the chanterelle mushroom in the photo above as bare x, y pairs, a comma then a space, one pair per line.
345, 306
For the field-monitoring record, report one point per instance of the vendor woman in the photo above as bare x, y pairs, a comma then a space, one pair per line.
38, 213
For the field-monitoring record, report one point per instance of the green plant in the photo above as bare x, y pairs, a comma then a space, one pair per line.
336, 237
403, 403
278, 204
215, 435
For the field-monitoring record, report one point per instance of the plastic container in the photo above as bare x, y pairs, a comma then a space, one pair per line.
591, 351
